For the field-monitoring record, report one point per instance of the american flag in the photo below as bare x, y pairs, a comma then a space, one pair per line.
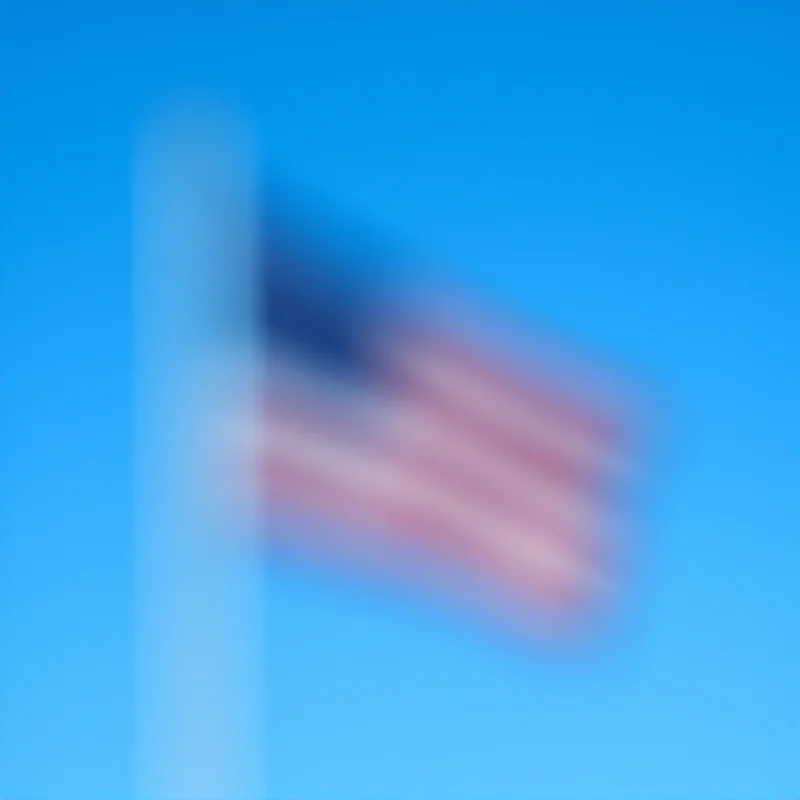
415, 437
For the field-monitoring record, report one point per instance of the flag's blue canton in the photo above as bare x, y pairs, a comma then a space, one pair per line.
310, 306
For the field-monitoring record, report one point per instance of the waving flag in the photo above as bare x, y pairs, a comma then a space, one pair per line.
403, 435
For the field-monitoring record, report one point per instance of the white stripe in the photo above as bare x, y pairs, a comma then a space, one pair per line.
346, 466
562, 502
500, 408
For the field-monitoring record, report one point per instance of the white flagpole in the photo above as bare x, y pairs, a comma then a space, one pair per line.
199, 582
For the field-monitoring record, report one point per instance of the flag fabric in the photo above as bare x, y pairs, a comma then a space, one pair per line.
412, 436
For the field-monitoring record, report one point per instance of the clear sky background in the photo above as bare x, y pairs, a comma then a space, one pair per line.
628, 176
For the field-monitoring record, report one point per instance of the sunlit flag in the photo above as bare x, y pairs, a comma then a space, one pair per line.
408, 440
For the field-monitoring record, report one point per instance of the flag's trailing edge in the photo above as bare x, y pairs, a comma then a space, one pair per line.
408, 439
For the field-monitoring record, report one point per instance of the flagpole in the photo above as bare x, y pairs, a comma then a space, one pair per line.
199, 582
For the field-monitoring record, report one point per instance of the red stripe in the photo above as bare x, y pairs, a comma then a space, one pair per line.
386, 516
539, 396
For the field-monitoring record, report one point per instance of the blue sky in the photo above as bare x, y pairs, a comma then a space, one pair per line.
628, 177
